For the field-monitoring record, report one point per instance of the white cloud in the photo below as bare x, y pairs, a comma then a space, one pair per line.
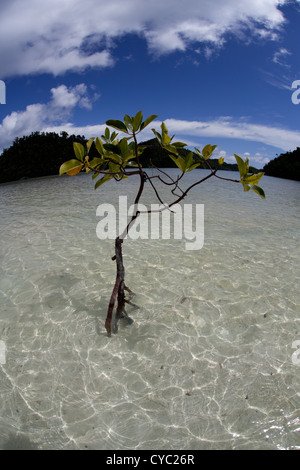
280, 56
198, 133
68, 98
257, 159
55, 36
281, 81
283, 139
42, 116
55, 116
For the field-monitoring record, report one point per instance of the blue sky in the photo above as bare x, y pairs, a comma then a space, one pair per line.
217, 71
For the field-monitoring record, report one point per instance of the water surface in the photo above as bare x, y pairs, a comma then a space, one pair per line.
207, 363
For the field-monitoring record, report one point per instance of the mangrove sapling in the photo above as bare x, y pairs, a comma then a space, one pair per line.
122, 158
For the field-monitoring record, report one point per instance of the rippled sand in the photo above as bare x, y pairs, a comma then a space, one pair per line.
207, 363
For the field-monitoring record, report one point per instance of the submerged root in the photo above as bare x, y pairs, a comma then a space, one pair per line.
112, 319
121, 313
118, 294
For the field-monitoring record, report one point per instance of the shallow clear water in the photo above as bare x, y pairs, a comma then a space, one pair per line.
207, 363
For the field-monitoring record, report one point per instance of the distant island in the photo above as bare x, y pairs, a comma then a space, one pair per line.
41, 154
286, 165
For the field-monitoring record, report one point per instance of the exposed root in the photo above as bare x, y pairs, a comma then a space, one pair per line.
118, 294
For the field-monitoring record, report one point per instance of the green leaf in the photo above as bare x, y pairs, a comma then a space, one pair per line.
148, 120
125, 150
99, 146
193, 166
132, 164
128, 122
157, 135
171, 149
246, 187
113, 136
112, 148
137, 121
179, 144
116, 124
116, 158
166, 139
79, 151
247, 164
259, 191
131, 146
190, 162
89, 143
72, 167
198, 153
242, 166
207, 151
253, 179
189, 159
96, 162
103, 180
221, 160
179, 162
164, 128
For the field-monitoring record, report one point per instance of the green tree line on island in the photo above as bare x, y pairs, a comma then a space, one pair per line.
42, 153
286, 165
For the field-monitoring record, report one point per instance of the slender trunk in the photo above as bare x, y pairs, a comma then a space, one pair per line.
118, 291
111, 323
118, 294
121, 276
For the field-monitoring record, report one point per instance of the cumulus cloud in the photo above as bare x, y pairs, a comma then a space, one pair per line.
68, 98
54, 117
42, 116
55, 36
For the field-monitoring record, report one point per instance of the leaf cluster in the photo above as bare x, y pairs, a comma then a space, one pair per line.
190, 162
115, 156
248, 180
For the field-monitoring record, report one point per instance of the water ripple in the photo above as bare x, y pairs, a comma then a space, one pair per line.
205, 365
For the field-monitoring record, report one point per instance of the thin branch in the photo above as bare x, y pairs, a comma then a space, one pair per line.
180, 198
154, 189
106, 172
139, 194
164, 182
227, 179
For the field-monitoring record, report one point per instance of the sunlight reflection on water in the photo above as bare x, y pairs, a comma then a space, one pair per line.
207, 362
